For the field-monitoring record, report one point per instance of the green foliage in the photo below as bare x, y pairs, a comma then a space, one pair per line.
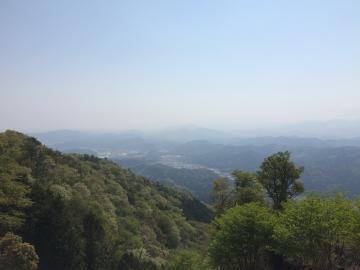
188, 260
82, 212
222, 195
196, 180
280, 177
247, 188
55, 227
317, 231
13, 200
193, 209
169, 233
16, 255
314, 232
352, 249
240, 237
14, 189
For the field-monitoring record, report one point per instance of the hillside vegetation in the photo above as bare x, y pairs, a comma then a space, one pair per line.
82, 212
196, 180
261, 226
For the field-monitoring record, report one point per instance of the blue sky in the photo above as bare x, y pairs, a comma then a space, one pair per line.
110, 65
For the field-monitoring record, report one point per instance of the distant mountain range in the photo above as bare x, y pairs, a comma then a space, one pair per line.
332, 133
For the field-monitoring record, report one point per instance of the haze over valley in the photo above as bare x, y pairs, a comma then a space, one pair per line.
192, 157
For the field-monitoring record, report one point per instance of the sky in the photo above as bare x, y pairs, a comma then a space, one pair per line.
115, 65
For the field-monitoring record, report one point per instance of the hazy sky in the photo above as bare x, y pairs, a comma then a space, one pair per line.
147, 64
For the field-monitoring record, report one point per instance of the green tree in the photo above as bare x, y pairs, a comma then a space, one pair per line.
222, 195
168, 230
316, 231
352, 249
71, 234
55, 227
240, 237
98, 248
247, 188
13, 195
280, 178
16, 255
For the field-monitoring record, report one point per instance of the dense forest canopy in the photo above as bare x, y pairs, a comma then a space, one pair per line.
198, 181
82, 212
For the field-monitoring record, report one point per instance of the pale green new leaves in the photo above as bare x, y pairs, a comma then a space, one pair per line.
316, 231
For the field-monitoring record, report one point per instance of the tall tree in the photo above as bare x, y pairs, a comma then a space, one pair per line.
247, 187
222, 195
280, 178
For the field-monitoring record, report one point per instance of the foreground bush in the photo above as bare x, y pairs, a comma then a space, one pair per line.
314, 233
240, 238
318, 232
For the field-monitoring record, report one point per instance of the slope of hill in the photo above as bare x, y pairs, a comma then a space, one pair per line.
198, 181
82, 212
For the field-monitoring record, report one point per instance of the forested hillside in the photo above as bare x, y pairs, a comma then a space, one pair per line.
199, 181
82, 212
70, 212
